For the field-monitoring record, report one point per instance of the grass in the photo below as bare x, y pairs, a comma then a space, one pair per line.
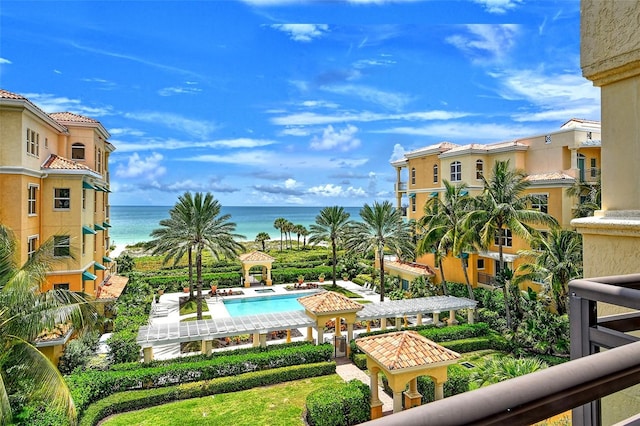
204, 317
341, 290
278, 405
190, 307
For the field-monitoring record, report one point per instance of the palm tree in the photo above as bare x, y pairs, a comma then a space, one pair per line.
331, 225
442, 222
382, 227
503, 206
503, 368
299, 231
589, 196
280, 224
25, 312
304, 232
557, 260
287, 228
261, 238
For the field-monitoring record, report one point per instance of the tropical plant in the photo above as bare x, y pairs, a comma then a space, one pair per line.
382, 227
504, 206
280, 224
557, 260
501, 368
442, 228
299, 230
125, 262
589, 195
262, 237
330, 226
25, 313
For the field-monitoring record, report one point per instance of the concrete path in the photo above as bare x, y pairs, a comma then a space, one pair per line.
348, 371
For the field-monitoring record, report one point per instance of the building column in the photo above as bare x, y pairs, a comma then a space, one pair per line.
439, 391
263, 339
376, 404
288, 335
419, 319
320, 331
147, 354
338, 327
436, 319
452, 318
398, 323
269, 280
368, 326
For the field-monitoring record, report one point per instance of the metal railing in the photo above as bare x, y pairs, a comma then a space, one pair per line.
401, 186
487, 279
576, 385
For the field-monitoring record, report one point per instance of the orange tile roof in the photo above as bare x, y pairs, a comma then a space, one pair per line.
414, 268
69, 117
59, 332
113, 288
255, 256
61, 163
405, 349
329, 301
549, 176
5, 94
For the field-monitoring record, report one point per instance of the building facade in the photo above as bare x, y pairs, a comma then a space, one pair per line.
552, 161
54, 184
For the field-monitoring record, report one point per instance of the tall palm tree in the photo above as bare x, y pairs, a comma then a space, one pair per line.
557, 260
288, 227
261, 238
504, 206
442, 224
25, 312
299, 230
280, 224
305, 233
382, 227
589, 196
331, 225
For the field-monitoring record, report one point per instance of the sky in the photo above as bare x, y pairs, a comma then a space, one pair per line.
285, 102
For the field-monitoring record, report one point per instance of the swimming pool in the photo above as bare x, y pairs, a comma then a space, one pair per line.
264, 304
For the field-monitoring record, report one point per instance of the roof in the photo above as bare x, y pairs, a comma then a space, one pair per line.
5, 94
256, 256
70, 117
420, 305
405, 349
60, 163
431, 149
113, 288
58, 336
16, 99
329, 301
549, 176
414, 268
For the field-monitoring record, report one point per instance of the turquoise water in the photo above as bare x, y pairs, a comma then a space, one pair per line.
263, 305
133, 224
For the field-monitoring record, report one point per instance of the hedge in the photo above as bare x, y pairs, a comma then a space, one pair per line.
492, 341
87, 387
138, 399
341, 405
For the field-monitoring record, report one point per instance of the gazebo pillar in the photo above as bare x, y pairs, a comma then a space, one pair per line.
338, 327
376, 404
439, 391
436, 318
256, 339
320, 331
368, 326
411, 397
207, 347
383, 323
419, 319
269, 281
247, 277
288, 335
309, 334
263, 339
471, 317
398, 323
148, 354
397, 401
452, 318
349, 337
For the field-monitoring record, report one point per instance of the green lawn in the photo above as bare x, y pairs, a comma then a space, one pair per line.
278, 405
190, 307
204, 317
342, 290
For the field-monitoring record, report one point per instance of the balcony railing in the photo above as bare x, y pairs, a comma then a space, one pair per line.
589, 175
401, 186
486, 279
576, 385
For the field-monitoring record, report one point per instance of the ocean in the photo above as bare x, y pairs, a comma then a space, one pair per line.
133, 224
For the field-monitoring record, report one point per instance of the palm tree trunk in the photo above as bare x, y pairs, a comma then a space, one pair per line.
381, 256
445, 290
281, 240
466, 277
199, 276
505, 290
190, 272
335, 260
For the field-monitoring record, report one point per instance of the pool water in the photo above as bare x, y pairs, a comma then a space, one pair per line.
264, 304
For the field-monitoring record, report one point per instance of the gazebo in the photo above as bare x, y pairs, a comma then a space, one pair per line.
403, 356
256, 258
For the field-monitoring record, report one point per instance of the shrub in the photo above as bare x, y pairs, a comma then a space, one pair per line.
341, 405
492, 341
360, 361
78, 352
134, 400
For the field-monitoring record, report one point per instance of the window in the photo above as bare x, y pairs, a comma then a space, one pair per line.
413, 176
480, 263
33, 142
413, 204
547, 139
594, 170
84, 243
61, 246
77, 151
84, 198
99, 161
46, 143
479, 169
505, 235
64, 286
61, 198
435, 173
456, 171
540, 202
32, 245
32, 200
589, 135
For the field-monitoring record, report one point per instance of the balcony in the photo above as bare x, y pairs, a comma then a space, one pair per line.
401, 186
576, 385
590, 175
486, 279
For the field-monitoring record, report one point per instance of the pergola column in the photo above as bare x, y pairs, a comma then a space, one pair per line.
247, 280
288, 335
263, 339
383, 323
436, 318
419, 319
269, 280
148, 354
452, 318
471, 317
309, 334
256, 339
398, 323
376, 404
338, 327
368, 326
439, 391
207, 347
320, 331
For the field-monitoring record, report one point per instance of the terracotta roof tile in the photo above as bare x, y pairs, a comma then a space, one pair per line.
61, 163
69, 117
256, 256
60, 331
329, 301
113, 288
5, 94
549, 176
405, 349
415, 268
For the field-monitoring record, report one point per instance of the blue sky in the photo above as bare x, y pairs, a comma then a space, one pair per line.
282, 102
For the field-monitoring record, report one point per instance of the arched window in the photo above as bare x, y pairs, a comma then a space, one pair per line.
77, 151
456, 171
479, 169
413, 176
435, 173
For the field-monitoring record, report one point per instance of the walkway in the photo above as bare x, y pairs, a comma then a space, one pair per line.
348, 371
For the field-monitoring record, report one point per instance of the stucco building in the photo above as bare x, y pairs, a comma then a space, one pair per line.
54, 183
553, 162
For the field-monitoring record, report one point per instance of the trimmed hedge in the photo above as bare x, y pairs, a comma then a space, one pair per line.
134, 400
341, 405
492, 341
87, 387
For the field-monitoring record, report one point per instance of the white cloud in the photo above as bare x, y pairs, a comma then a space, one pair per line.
295, 131
365, 63
331, 190
319, 104
498, 6
197, 128
394, 101
168, 91
148, 168
343, 140
310, 118
398, 152
50, 103
4, 61
126, 131
174, 144
459, 132
245, 158
291, 183
485, 41
302, 32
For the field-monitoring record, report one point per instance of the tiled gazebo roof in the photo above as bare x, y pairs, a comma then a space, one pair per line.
255, 256
328, 301
405, 349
